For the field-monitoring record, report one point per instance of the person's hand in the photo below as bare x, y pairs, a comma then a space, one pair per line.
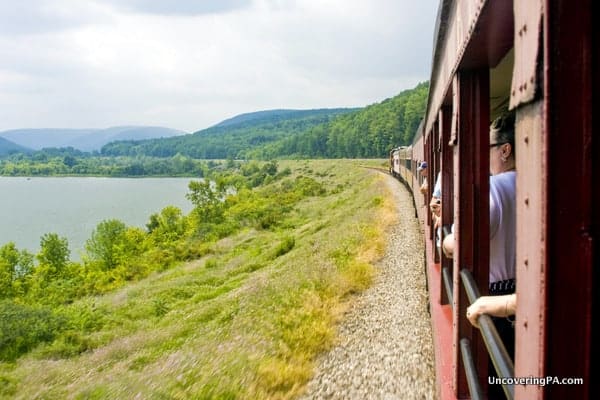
475, 310
498, 306
437, 221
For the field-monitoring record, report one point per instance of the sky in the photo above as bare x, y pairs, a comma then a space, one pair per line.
189, 64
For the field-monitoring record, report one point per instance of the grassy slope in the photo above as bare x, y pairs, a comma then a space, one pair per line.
245, 324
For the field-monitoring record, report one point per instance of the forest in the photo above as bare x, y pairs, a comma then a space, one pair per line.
69, 162
369, 133
231, 138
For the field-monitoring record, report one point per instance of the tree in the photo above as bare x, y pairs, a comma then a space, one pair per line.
69, 161
207, 200
15, 267
270, 168
168, 226
53, 257
103, 245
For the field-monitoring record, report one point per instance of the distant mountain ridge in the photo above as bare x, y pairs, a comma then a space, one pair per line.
8, 147
367, 132
84, 139
275, 115
231, 137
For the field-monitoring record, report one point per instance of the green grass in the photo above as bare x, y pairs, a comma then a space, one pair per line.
246, 321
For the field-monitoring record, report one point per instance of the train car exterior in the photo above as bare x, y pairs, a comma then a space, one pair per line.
395, 161
540, 59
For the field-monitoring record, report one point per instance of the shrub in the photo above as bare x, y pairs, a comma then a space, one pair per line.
309, 187
285, 246
24, 327
168, 226
8, 386
192, 249
68, 344
160, 259
160, 307
285, 172
85, 316
57, 291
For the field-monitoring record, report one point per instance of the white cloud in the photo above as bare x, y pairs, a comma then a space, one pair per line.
108, 63
179, 7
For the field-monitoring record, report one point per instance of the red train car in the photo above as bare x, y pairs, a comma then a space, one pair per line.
540, 59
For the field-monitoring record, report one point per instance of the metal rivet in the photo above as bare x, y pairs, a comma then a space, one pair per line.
526, 262
513, 92
531, 80
524, 28
525, 324
526, 201
525, 86
526, 139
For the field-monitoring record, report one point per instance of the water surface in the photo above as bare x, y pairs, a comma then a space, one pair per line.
72, 207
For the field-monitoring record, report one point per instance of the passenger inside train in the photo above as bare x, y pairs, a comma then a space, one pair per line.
435, 205
422, 168
502, 224
502, 207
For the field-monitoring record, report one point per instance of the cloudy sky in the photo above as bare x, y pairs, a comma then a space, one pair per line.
188, 64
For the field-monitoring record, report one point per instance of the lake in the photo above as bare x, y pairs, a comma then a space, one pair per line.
72, 207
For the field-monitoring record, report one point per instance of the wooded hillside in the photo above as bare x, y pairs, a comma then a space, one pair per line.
231, 138
369, 132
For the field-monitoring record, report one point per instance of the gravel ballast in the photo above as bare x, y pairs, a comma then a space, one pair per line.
385, 348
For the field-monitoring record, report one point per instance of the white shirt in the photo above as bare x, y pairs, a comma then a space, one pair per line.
503, 223
437, 189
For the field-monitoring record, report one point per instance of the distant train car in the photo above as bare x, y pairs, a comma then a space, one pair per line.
540, 59
395, 162
400, 162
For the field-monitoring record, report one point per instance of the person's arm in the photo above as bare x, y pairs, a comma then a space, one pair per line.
435, 205
448, 245
437, 221
494, 210
437, 187
497, 306
424, 186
